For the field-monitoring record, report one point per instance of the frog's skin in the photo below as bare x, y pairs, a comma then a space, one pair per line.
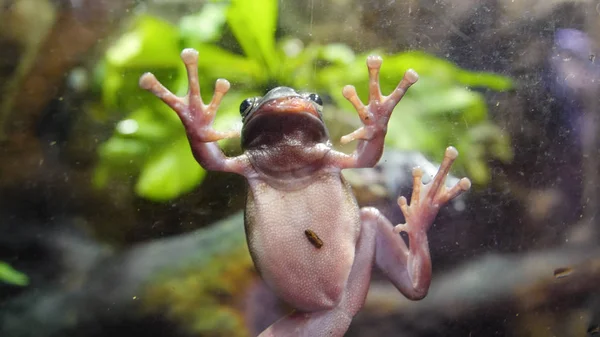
307, 236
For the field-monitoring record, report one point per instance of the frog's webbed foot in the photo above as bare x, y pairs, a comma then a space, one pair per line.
376, 114
427, 200
195, 115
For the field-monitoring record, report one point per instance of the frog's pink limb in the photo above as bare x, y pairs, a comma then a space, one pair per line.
350, 94
380, 107
374, 65
360, 133
423, 208
464, 184
410, 77
375, 98
417, 182
149, 82
437, 191
205, 113
194, 114
409, 268
374, 116
197, 118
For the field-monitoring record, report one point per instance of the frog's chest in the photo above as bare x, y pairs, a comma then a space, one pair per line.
303, 241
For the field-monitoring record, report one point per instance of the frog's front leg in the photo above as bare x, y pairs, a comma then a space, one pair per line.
374, 116
198, 118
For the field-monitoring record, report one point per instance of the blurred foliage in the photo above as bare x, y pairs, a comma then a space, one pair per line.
150, 142
11, 276
206, 291
207, 299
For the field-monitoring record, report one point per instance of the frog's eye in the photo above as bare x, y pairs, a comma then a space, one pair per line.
246, 106
316, 98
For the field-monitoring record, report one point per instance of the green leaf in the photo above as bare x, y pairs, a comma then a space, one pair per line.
478, 170
338, 53
147, 125
151, 43
119, 156
465, 104
170, 173
485, 80
120, 89
216, 62
101, 175
123, 150
495, 140
299, 69
445, 71
253, 23
204, 26
12, 276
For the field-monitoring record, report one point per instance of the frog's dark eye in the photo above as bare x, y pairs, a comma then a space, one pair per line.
316, 98
246, 106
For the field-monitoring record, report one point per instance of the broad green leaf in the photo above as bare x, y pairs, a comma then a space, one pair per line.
144, 125
152, 43
120, 150
119, 157
12, 276
101, 176
338, 53
121, 90
496, 140
299, 69
484, 80
253, 23
414, 134
458, 101
478, 170
445, 71
170, 172
111, 86
204, 26
424, 64
216, 62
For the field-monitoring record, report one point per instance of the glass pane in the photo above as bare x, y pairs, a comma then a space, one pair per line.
226, 168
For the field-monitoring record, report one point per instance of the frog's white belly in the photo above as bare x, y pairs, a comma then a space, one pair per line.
306, 277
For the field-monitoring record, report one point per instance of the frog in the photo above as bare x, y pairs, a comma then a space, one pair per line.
309, 240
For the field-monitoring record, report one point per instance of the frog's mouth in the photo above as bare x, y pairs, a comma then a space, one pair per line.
286, 105
281, 120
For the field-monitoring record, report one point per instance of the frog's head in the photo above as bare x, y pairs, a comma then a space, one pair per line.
283, 115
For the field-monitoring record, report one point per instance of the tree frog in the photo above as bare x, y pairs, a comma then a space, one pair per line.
308, 238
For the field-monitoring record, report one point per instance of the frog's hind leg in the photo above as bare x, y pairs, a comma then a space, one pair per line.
331, 323
409, 268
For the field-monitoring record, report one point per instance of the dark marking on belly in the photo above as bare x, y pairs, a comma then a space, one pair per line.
563, 272
313, 238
